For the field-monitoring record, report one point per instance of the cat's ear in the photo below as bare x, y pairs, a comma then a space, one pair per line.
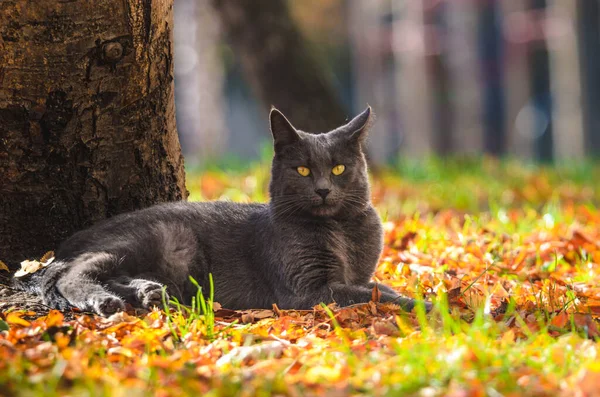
283, 131
357, 129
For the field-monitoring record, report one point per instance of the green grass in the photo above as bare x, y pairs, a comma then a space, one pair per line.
199, 318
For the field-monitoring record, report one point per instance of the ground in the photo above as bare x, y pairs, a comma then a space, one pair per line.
508, 252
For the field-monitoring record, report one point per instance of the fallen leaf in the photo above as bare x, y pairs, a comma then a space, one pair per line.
15, 318
375, 294
388, 328
29, 267
263, 314
247, 318
48, 257
54, 318
560, 320
247, 353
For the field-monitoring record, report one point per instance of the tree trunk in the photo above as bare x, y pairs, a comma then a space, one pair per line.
87, 122
277, 63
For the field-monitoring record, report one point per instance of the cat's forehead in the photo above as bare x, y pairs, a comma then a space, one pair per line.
317, 148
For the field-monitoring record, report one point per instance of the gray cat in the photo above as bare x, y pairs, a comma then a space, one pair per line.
318, 240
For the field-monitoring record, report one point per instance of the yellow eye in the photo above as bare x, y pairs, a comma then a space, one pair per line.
338, 169
303, 171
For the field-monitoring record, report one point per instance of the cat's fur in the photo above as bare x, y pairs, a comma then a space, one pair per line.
297, 251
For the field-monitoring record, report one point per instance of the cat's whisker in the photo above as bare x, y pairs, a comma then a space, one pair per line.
288, 211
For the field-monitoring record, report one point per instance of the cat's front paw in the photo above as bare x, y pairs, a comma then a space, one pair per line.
150, 294
107, 305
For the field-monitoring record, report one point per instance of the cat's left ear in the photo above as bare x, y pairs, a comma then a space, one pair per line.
283, 131
358, 128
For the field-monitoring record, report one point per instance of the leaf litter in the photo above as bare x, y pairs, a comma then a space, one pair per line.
516, 293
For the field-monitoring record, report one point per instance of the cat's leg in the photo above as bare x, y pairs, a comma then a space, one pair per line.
343, 295
79, 284
138, 291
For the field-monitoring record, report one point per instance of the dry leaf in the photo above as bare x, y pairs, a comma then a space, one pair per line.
247, 318
29, 267
54, 318
15, 318
560, 320
48, 257
263, 314
247, 353
375, 294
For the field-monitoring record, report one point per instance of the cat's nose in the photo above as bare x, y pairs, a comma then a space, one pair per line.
322, 192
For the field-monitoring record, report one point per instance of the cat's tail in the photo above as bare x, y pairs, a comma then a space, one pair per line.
43, 284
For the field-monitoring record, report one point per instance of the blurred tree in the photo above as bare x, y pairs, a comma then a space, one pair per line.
199, 81
566, 80
371, 29
466, 95
492, 63
435, 17
87, 122
539, 75
414, 91
278, 64
514, 29
589, 50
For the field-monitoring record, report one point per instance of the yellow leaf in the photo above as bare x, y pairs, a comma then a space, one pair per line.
119, 350
322, 374
3, 266
15, 318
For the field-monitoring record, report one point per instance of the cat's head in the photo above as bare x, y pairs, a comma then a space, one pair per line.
321, 175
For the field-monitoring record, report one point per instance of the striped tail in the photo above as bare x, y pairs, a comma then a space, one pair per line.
43, 283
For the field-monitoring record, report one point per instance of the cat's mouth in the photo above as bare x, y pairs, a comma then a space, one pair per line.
324, 207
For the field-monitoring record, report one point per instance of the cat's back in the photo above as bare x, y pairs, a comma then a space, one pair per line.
207, 219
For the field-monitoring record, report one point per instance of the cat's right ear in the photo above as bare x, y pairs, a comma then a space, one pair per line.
283, 131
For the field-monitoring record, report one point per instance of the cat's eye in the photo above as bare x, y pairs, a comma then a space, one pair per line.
338, 169
303, 171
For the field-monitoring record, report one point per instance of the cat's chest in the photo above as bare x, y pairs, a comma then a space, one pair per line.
348, 249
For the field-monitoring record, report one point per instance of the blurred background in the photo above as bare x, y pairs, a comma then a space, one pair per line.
508, 78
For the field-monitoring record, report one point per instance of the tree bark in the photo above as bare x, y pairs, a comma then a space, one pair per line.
277, 63
87, 118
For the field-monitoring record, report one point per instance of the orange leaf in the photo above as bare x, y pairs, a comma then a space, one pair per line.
48, 256
588, 384
375, 294
54, 318
560, 320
